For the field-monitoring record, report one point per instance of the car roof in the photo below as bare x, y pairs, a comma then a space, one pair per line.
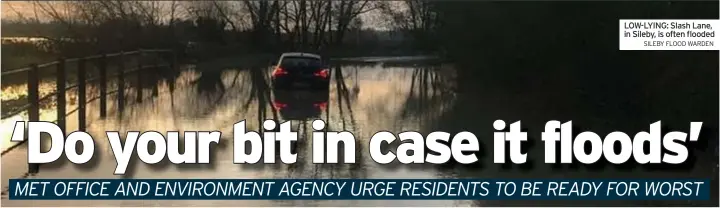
300, 54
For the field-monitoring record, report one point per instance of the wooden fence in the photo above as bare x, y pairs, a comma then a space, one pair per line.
34, 100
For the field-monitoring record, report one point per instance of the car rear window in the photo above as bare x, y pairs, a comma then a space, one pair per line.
300, 62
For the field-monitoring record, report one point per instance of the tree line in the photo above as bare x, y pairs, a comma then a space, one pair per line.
256, 25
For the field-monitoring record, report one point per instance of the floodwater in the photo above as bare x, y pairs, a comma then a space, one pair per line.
363, 99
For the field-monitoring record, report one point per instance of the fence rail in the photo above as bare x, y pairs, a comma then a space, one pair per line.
33, 98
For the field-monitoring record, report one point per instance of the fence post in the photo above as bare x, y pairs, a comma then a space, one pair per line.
60, 89
34, 101
139, 77
103, 86
33, 94
121, 84
81, 94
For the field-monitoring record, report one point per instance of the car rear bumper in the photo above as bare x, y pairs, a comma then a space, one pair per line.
288, 81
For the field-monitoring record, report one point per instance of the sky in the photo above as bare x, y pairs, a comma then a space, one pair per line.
13, 10
22, 7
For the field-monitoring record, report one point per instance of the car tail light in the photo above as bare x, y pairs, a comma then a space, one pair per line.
322, 105
279, 71
279, 105
322, 73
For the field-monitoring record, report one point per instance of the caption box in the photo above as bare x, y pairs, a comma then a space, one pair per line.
677, 34
359, 189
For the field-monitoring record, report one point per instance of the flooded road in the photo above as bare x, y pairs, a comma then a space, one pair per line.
363, 99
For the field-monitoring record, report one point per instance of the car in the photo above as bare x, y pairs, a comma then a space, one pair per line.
299, 69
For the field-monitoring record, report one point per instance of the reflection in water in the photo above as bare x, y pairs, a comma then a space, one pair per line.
343, 95
300, 105
261, 92
426, 98
210, 82
362, 99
